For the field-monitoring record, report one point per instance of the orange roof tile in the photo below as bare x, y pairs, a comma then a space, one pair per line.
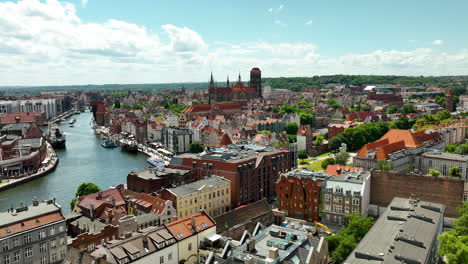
338, 169
182, 228
29, 224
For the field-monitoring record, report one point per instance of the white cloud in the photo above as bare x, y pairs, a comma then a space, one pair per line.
84, 3
281, 23
412, 41
309, 22
438, 42
46, 43
270, 10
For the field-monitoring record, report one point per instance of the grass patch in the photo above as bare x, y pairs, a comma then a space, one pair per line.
316, 166
324, 154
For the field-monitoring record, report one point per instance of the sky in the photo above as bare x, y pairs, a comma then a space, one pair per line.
52, 42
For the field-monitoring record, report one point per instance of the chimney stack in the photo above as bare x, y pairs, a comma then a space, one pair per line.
192, 222
91, 211
251, 245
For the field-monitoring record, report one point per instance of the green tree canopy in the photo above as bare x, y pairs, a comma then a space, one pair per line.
434, 173
408, 108
328, 161
342, 158
455, 172
84, 189
291, 128
393, 109
343, 243
302, 154
454, 244
196, 147
384, 165
335, 143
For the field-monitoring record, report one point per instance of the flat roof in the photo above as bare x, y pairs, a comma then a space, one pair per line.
446, 156
213, 181
157, 173
403, 234
7, 218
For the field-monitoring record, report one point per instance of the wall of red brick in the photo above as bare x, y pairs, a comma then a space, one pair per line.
445, 190
83, 240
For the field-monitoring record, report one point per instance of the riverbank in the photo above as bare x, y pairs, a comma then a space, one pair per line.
52, 161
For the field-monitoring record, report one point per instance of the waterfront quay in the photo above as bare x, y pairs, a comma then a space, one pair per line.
83, 160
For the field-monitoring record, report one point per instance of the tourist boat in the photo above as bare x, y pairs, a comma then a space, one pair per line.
108, 144
156, 161
72, 121
55, 137
129, 146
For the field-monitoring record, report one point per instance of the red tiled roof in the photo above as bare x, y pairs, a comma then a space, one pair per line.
224, 142
106, 199
183, 228
157, 204
397, 139
18, 118
338, 169
29, 224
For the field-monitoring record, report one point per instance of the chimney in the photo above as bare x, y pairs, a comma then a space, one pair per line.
91, 211
113, 202
192, 222
273, 253
251, 245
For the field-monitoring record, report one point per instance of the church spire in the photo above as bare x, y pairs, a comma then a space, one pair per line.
239, 77
227, 85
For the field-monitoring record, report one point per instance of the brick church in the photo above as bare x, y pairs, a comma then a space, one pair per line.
239, 92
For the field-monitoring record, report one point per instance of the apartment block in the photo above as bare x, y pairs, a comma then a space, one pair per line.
33, 234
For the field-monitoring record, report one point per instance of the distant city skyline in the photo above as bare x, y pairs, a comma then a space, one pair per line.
53, 42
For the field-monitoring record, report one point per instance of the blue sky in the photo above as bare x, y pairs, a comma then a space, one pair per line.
114, 41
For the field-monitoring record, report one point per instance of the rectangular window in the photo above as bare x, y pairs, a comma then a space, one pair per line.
355, 201
27, 239
42, 234
337, 199
5, 246
327, 198
43, 260
16, 242
161, 259
6, 259
169, 257
42, 247
28, 252
52, 231
53, 244
17, 256
61, 229
190, 247
62, 240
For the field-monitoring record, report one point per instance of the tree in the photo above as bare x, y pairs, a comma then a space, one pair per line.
288, 109
455, 172
408, 108
319, 140
393, 109
84, 189
342, 158
451, 148
384, 165
291, 128
307, 119
454, 244
117, 104
328, 161
343, 243
434, 173
463, 149
302, 155
196, 147
335, 143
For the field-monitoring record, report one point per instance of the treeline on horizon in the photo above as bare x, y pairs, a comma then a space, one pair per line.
290, 83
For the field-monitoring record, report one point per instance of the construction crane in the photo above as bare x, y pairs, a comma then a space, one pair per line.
324, 227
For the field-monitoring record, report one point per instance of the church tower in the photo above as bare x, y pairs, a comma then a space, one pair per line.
256, 81
211, 89
449, 101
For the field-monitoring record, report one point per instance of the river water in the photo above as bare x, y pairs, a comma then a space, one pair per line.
84, 160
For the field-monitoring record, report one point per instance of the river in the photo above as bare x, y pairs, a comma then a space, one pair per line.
84, 160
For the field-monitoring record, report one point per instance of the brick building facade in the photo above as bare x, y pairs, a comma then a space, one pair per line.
154, 179
298, 194
444, 190
252, 170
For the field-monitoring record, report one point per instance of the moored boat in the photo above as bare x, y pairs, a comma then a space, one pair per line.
108, 144
129, 146
55, 137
